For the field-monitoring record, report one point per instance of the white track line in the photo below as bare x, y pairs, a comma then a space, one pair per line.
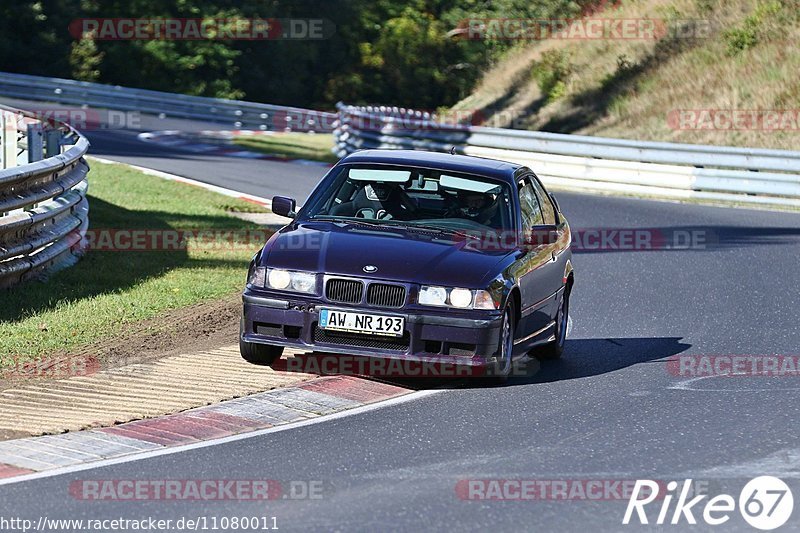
174, 177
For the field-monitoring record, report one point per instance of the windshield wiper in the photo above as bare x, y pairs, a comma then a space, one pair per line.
353, 221
394, 224
437, 229
342, 220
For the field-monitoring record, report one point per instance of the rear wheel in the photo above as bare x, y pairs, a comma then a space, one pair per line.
259, 354
554, 349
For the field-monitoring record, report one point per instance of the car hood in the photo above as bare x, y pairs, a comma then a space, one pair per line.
399, 254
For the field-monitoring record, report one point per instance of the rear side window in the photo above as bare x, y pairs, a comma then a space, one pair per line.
529, 205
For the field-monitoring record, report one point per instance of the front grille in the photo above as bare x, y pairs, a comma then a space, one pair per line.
361, 341
384, 295
344, 290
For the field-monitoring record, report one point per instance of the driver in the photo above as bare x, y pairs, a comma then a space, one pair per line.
476, 206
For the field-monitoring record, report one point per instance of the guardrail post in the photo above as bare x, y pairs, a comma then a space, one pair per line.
35, 142
8, 140
52, 143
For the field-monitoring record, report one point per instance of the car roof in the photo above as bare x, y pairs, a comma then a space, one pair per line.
481, 166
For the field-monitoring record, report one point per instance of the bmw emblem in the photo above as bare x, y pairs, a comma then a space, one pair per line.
370, 268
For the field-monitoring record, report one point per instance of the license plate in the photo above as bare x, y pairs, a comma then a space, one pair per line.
369, 324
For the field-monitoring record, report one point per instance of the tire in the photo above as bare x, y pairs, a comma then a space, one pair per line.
555, 349
505, 346
259, 354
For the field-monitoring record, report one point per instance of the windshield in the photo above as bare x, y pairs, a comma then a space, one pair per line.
415, 197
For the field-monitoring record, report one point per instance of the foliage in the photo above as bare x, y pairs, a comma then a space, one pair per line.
749, 33
84, 58
402, 52
552, 72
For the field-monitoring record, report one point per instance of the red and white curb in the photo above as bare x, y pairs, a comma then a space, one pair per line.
309, 402
217, 143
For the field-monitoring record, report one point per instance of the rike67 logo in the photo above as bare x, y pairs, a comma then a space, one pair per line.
765, 503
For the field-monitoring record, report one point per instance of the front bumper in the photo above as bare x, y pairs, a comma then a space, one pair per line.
428, 336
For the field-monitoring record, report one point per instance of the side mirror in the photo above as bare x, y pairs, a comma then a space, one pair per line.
283, 206
542, 235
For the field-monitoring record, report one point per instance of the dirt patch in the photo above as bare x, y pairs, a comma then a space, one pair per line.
207, 325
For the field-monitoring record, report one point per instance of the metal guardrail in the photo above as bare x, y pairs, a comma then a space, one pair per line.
669, 170
43, 205
235, 113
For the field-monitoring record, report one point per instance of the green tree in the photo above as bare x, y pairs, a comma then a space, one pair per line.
85, 58
399, 52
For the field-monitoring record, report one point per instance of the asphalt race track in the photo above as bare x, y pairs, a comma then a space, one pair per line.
244, 175
609, 410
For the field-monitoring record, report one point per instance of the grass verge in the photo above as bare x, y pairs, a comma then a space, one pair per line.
314, 146
106, 290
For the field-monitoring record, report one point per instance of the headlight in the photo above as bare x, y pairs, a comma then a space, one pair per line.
304, 281
288, 280
433, 296
257, 276
456, 297
460, 298
278, 279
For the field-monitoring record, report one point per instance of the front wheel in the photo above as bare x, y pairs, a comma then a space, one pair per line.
259, 354
504, 360
554, 349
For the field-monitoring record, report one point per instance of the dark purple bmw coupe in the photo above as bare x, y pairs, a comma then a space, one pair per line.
414, 255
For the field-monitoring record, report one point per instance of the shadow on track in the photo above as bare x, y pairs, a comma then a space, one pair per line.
582, 358
591, 357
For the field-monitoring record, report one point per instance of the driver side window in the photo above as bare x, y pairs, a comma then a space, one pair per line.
548, 210
529, 206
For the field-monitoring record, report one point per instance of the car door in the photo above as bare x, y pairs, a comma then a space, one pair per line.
534, 266
551, 273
